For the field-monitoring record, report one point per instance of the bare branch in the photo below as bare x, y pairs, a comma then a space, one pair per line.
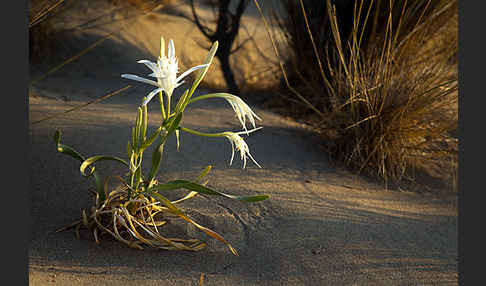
204, 29
258, 50
240, 45
237, 16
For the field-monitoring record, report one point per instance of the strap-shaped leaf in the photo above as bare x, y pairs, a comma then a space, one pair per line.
138, 129
204, 173
151, 139
202, 72
181, 101
129, 150
143, 126
94, 159
174, 123
64, 149
134, 138
156, 159
138, 177
183, 184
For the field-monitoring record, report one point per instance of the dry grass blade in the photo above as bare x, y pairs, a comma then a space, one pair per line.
37, 18
293, 90
78, 55
82, 105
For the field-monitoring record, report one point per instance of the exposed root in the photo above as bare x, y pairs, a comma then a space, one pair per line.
133, 222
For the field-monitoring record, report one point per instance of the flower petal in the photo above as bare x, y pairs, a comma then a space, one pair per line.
251, 157
232, 150
149, 64
151, 95
140, 79
184, 74
239, 144
171, 52
178, 84
162, 47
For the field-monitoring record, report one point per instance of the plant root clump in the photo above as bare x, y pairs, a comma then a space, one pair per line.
134, 222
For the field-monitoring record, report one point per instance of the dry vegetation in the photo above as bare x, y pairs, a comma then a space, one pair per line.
379, 79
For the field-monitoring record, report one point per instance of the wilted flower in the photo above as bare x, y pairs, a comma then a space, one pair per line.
242, 110
165, 70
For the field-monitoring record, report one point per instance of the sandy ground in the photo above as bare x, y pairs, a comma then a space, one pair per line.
321, 225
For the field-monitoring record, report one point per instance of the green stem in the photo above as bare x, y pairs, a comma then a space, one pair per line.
206, 96
162, 109
168, 104
199, 133
211, 95
161, 100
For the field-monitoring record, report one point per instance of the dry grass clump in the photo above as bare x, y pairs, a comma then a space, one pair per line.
383, 76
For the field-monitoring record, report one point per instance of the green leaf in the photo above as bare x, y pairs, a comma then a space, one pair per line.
170, 186
138, 176
156, 159
143, 125
57, 137
64, 149
151, 139
202, 72
181, 101
138, 127
183, 184
134, 138
174, 123
94, 159
129, 150
167, 203
204, 173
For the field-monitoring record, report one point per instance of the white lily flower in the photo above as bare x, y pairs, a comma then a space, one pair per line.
165, 70
238, 144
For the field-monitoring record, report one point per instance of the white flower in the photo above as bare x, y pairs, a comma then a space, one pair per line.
165, 70
242, 110
238, 144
